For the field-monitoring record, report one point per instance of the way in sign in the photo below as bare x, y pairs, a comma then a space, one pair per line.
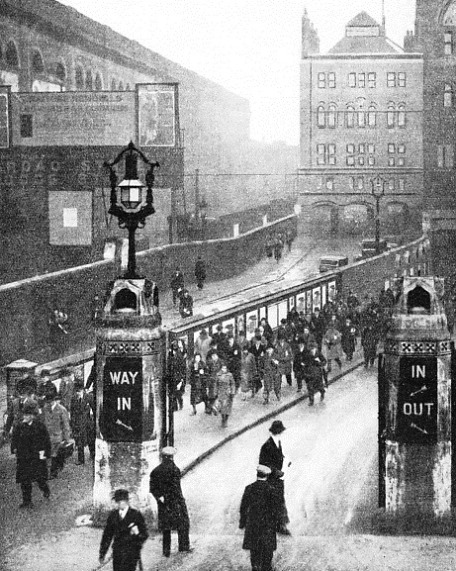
123, 377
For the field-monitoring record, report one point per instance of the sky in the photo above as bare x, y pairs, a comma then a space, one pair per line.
251, 47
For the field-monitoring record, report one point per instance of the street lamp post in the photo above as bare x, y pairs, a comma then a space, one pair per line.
378, 191
203, 205
129, 203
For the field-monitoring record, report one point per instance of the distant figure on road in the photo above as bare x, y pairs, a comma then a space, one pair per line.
186, 304
127, 530
259, 513
31, 445
177, 283
165, 486
200, 272
271, 455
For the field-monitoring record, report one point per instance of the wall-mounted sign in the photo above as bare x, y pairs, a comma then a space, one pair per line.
122, 411
417, 400
157, 114
4, 118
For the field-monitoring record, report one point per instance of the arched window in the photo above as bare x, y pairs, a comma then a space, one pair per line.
391, 115
12, 58
372, 116
37, 62
361, 118
113, 85
332, 116
321, 116
120, 86
60, 72
98, 83
401, 117
350, 116
448, 95
89, 80
79, 77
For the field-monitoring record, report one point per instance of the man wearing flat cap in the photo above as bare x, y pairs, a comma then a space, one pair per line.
260, 508
271, 455
127, 531
165, 486
31, 444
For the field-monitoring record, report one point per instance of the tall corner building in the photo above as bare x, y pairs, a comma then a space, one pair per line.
361, 117
435, 37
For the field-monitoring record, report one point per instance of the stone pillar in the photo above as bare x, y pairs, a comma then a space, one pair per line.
130, 394
415, 415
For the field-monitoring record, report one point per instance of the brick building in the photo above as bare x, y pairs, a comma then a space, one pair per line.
435, 37
361, 116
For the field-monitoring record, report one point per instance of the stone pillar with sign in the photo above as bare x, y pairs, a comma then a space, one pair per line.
415, 402
130, 393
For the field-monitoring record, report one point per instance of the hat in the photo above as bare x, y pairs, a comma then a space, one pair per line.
120, 495
263, 470
277, 427
51, 391
26, 385
219, 327
168, 451
79, 384
301, 341
30, 408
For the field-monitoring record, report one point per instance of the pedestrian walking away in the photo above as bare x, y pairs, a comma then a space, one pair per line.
198, 382
31, 444
271, 455
57, 422
200, 272
176, 283
272, 381
225, 390
127, 531
186, 304
165, 486
259, 512
82, 422
314, 372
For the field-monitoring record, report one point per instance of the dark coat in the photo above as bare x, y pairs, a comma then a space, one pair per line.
299, 363
198, 382
259, 353
349, 333
165, 481
26, 442
260, 507
271, 456
314, 365
177, 280
82, 421
126, 547
200, 271
284, 355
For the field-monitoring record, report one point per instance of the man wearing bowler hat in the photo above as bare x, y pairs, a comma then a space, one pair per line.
31, 444
127, 531
260, 508
271, 455
165, 486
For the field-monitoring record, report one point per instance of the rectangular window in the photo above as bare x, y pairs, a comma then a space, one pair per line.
400, 162
321, 155
371, 161
440, 156
361, 80
331, 79
401, 149
391, 79
360, 183
448, 46
445, 156
351, 183
26, 126
391, 162
401, 184
391, 148
330, 183
350, 148
401, 117
362, 148
352, 80
448, 95
361, 119
322, 80
371, 148
361, 161
391, 184
350, 161
332, 154
402, 79
372, 80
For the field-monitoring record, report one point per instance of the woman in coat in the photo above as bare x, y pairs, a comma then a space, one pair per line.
272, 377
284, 355
248, 373
332, 346
349, 333
198, 377
226, 390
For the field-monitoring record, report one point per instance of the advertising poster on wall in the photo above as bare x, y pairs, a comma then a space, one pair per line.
157, 114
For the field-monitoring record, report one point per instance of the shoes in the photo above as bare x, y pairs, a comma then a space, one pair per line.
322, 397
311, 403
26, 505
188, 550
298, 391
47, 494
192, 413
79, 463
167, 554
284, 531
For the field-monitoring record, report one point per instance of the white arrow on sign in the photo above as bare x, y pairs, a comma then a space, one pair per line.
423, 388
413, 425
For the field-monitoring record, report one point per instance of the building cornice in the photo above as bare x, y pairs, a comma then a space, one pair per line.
408, 56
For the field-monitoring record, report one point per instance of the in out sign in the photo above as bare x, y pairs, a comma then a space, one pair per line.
121, 414
417, 400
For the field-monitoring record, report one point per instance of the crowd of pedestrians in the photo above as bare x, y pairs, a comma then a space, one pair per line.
277, 241
46, 421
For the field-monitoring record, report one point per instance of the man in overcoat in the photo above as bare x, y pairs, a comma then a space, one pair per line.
284, 355
57, 422
165, 486
176, 283
81, 421
271, 455
200, 272
31, 444
127, 531
260, 506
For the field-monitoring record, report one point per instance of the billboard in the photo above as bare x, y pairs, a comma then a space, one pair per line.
157, 114
70, 218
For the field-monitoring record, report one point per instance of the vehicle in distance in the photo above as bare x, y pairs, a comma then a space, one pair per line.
369, 247
329, 263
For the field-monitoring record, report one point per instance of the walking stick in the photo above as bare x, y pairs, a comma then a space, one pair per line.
101, 565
